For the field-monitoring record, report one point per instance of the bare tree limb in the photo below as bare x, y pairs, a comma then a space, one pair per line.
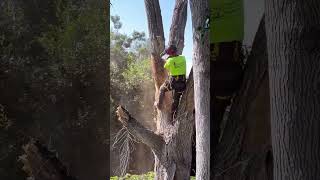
178, 24
157, 40
154, 141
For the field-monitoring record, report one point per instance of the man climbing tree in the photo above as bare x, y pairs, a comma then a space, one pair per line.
176, 81
169, 139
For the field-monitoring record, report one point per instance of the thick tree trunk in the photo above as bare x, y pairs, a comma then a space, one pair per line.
293, 36
201, 69
171, 137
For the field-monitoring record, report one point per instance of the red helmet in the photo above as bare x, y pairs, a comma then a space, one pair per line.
171, 50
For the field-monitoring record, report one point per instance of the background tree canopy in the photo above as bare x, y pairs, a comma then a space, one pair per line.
53, 75
131, 85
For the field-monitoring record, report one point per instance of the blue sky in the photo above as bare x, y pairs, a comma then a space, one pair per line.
133, 17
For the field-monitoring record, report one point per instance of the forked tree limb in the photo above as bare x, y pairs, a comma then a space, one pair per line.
146, 136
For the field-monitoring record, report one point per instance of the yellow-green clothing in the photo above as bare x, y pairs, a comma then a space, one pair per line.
226, 21
176, 65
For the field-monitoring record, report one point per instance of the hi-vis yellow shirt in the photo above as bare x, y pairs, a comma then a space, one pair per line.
226, 20
176, 65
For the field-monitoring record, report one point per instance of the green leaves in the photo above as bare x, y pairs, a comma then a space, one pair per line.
82, 36
116, 22
147, 176
138, 72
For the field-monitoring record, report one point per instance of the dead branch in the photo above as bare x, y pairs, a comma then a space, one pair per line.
146, 136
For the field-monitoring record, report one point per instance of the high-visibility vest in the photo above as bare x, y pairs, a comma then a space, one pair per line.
176, 65
226, 21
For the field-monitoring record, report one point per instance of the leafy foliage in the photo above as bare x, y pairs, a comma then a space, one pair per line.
129, 63
130, 81
147, 176
53, 57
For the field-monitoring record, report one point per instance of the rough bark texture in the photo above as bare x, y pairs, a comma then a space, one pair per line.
178, 24
244, 150
201, 70
293, 35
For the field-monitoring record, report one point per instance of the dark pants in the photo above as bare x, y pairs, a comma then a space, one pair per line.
176, 84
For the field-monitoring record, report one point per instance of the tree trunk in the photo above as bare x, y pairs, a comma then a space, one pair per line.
201, 69
293, 36
171, 137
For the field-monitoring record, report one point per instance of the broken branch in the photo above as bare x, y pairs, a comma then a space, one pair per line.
146, 136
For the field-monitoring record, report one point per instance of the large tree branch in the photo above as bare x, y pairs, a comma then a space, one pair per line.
154, 141
156, 36
155, 25
178, 24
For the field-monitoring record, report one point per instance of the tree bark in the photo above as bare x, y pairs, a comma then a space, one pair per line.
293, 36
201, 69
178, 24
156, 36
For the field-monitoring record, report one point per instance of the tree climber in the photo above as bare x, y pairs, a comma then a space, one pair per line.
226, 35
176, 81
